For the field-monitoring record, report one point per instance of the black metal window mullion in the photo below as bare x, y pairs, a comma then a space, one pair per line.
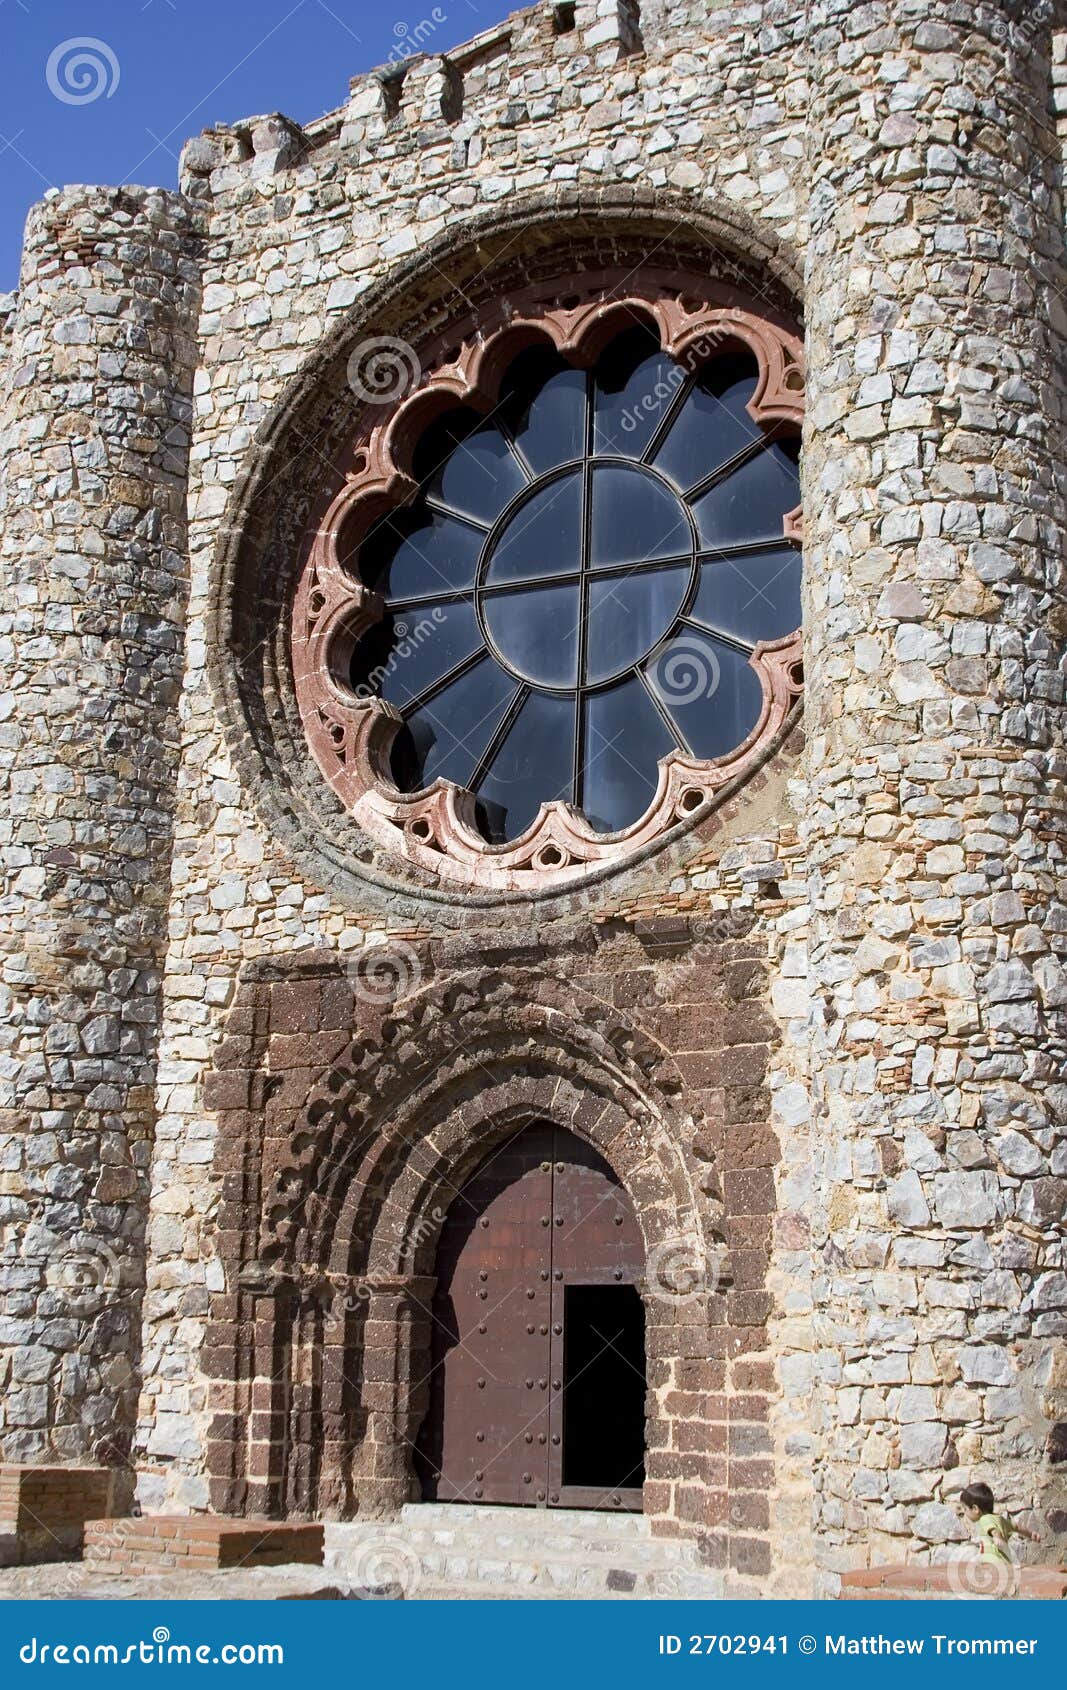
441, 509
721, 471
691, 621
666, 422
503, 728
516, 450
429, 692
663, 712
585, 538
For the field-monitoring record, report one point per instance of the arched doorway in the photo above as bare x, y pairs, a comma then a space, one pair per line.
537, 1388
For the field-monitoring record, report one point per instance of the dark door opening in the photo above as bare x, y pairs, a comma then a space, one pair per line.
604, 1387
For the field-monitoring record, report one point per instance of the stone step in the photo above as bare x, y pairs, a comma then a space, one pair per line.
428, 1576
346, 1540
433, 1551
711, 1591
589, 1521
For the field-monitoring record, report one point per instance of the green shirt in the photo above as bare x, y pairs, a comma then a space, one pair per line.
993, 1533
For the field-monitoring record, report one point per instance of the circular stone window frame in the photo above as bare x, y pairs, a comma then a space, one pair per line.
435, 828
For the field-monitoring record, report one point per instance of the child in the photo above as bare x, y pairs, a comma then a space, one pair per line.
994, 1530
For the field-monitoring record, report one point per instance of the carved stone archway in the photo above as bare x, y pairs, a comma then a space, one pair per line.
319, 1346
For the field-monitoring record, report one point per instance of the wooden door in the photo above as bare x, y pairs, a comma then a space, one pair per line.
541, 1240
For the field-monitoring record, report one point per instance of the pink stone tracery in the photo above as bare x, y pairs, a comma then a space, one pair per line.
435, 828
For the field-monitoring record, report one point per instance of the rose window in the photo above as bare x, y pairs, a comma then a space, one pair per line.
554, 612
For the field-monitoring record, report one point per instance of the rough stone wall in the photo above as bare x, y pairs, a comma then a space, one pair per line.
930, 1058
95, 444
934, 709
297, 237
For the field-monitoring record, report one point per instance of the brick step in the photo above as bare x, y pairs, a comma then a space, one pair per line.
964, 1580
44, 1510
197, 1542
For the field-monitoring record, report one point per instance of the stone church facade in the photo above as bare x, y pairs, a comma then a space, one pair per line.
268, 1008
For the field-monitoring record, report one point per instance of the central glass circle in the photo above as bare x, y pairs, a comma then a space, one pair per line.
585, 574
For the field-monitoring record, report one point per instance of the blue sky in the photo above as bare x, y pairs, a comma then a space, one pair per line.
175, 66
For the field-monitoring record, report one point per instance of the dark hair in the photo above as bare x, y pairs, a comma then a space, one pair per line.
978, 1496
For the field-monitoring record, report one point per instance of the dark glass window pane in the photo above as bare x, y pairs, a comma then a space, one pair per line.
624, 738
536, 632
544, 537
479, 476
751, 503
628, 615
710, 690
425, 644
635, 382
549, 429
418, 552
448, 736
532, 766
712, 424
754, 597
635, 517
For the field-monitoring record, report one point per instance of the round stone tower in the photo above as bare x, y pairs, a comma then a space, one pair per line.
95, 439
934, 709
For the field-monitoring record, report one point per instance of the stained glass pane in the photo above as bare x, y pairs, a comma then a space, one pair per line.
479, 476
549, 428
712, 424
536, 633
448, 736
754, 597
418, 552
425, 644
535, 763
635, 517
624, 738
635, 383
751, 503
710, 690
628, 615
544, 537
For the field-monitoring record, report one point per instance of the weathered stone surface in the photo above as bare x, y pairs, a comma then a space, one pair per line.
851, 1061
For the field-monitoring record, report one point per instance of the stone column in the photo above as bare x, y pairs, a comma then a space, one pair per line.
95, 418
936, 820
393, 1373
